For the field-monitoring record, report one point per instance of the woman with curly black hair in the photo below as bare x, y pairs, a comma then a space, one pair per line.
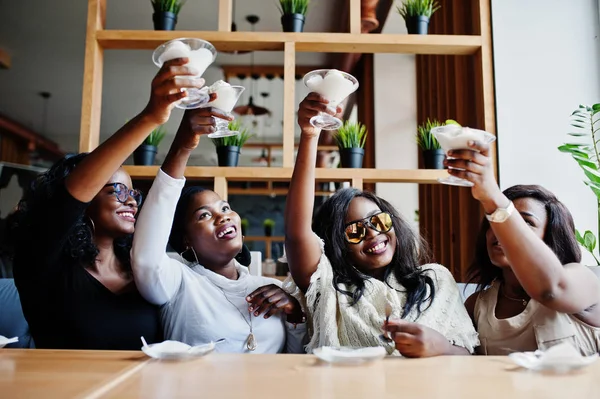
74, 230
362, 265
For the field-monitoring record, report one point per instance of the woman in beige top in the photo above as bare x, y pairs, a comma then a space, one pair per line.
538, 294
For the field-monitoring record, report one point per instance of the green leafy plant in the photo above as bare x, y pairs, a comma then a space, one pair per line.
245, 225
156, 136
269, 223
414, 8
236, 141
293, 6
173, 6
425, 139
586, 152
351, 135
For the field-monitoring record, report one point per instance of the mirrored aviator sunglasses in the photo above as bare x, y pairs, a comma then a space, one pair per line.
122, 192
357, 231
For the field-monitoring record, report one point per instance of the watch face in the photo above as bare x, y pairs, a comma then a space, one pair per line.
500, 215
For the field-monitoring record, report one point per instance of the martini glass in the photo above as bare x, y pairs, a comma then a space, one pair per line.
227, 97
334, 86
454, 137
200, 54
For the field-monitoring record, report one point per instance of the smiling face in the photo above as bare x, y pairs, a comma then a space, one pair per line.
213, 229
112, 218
535, 215
377, 249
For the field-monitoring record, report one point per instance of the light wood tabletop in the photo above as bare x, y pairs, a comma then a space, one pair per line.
90, 374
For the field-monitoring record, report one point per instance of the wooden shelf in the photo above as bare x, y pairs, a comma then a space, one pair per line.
304, 42
426, 176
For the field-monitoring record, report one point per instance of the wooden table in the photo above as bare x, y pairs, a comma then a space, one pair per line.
90, 374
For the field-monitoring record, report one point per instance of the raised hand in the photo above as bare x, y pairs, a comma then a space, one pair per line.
197, 122
168, 87
311, 106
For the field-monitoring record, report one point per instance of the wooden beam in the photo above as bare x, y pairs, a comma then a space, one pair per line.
91, 103
280, 145
221, 187
355, 24
22, 133
225, 15
4, 59
270, 191
289, 104
357, 182
305, 42
232, 71
426, 176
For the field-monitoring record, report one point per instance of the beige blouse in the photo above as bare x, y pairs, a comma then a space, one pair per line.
537, 327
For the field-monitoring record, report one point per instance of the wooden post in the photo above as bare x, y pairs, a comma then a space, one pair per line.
355, 23
357, 182
91, 103
225, 15
289, 106
220, 187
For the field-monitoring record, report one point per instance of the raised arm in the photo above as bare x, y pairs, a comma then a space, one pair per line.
569, 288
302, 249
158, 276
94, 171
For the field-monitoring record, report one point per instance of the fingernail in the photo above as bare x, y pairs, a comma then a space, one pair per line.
255, 313
250, 308
470, 142
450, 152
248, 298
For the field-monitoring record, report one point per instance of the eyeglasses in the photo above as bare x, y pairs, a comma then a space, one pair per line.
122, 192
357, 231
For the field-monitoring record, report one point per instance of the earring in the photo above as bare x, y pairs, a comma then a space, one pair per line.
91, 225
195, 256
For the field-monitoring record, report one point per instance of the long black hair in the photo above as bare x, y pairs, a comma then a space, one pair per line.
411, 250
559, 235
176, 238
80, 245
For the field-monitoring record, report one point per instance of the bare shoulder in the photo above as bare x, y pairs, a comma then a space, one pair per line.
470, 303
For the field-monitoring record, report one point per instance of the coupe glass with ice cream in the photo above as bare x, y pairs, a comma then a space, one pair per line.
455, 137
226, 98
334, 86
200, 54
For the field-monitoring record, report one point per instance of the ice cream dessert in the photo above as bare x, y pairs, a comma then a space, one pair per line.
454, 137
227, 95
199, 59
334, 85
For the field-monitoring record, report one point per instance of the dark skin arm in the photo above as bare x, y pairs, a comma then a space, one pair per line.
572, 288
270, 300
416, 340
85, 181
303, 251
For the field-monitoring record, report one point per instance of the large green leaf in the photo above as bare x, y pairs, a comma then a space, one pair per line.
579, 237
590, 241
596, 107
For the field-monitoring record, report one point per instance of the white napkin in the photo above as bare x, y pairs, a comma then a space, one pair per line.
562, 357
5, 341
350, 355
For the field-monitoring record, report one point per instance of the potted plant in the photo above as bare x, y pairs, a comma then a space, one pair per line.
433, 155
350, 139
269, 225
245, 226
416, 14
165, 13
229, 148
293, 14
145, 154
585, 150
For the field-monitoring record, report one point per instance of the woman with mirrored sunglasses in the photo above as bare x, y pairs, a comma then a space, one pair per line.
358, 268
74, 230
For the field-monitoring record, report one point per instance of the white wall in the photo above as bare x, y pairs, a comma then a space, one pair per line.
396, 120
547, 62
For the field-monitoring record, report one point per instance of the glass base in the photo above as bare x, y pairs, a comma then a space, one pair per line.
326, 122
222, 133
195, 99
455, 181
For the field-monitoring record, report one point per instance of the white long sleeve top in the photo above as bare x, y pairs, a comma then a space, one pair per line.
198, 305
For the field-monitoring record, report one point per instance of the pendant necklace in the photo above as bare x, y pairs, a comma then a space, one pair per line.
251, 343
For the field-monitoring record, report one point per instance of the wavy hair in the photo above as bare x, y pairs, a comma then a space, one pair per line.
411, 251
559, 235
80, 246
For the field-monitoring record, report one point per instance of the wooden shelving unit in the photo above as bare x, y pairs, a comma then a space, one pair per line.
268, 242
98, 39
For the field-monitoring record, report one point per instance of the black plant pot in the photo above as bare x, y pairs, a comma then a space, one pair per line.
417, 25
352, 157
145, 155
268, 231
228, 155
434, 159
292, 22
164, 20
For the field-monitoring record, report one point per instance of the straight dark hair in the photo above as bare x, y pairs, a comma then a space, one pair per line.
411, 251
559, 235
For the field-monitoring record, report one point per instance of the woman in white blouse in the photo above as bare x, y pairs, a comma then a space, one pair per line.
367, 262
206, 295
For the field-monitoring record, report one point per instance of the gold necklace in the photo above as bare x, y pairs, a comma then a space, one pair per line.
523, 301
251, 343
